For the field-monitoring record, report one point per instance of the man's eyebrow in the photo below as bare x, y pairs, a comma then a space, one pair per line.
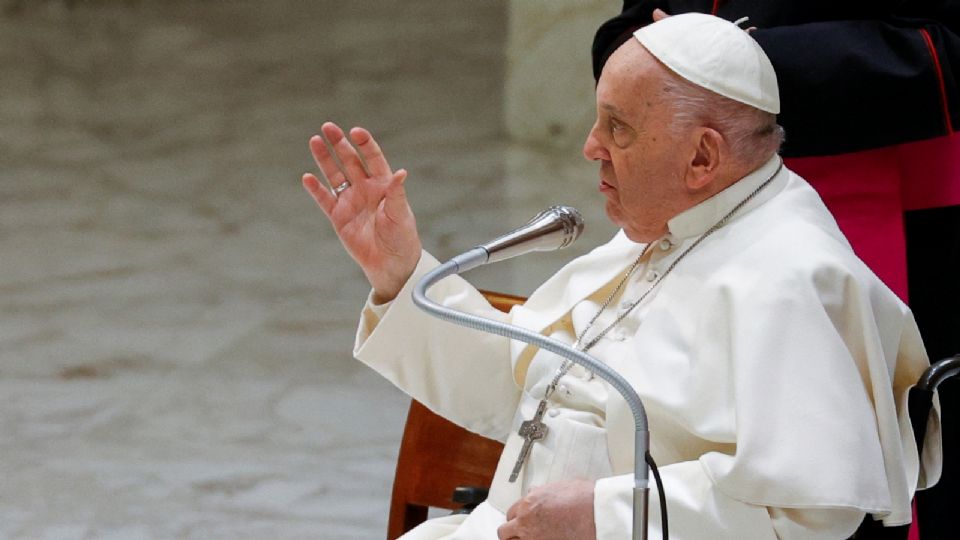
613, 109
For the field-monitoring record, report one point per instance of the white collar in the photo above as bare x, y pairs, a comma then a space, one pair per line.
696, 220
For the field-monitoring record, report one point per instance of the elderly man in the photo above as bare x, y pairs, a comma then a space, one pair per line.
772, 363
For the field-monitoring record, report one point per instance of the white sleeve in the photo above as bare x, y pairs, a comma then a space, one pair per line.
697, 509
462, 374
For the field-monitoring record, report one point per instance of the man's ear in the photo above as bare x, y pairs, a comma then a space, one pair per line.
708, 149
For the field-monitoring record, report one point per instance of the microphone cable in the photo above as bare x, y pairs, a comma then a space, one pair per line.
660, 495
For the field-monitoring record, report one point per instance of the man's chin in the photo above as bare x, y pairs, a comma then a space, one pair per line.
614, 214
616, 217
634, 237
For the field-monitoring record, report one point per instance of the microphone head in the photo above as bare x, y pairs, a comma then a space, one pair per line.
570, 219
555, 228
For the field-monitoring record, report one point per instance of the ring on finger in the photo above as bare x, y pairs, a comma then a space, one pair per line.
341, 188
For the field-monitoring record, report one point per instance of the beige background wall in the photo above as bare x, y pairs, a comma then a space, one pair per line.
549, 82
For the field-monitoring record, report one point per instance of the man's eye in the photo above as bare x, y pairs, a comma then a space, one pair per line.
622, 134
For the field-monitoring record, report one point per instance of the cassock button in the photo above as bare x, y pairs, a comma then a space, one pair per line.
616, 335
652, 275
665, 244
553, 413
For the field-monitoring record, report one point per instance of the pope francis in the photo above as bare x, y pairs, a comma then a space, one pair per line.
772, 363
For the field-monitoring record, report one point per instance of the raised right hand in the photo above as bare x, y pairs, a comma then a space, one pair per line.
372, 216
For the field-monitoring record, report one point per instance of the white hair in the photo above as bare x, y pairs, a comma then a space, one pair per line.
753, 135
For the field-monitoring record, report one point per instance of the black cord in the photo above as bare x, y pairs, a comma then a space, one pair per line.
660, 494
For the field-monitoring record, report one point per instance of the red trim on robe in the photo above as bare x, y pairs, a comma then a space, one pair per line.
716, 7
943, 87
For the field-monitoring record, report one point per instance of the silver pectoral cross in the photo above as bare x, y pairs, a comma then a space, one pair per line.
531, 430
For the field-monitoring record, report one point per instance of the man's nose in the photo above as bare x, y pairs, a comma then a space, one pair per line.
593, 149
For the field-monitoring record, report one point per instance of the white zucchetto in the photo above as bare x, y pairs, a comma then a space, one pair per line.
715, 54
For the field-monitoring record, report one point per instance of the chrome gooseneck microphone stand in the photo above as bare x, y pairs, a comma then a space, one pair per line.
479, 256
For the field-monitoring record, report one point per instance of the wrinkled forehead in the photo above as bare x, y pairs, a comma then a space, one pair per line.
630, 60
631, 78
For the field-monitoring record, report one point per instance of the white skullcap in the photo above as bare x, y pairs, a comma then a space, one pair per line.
714, 54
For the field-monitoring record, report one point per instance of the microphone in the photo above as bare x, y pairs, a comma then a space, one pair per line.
554, 228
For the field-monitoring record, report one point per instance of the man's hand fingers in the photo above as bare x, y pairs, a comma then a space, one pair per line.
371, 152
512, 511
659, 14
331, 171
325, 199
345, 151
511, 529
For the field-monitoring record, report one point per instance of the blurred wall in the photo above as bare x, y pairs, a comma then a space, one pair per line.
548, 109
549, 81
176, 316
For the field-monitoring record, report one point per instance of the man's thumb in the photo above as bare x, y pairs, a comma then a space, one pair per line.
396, 196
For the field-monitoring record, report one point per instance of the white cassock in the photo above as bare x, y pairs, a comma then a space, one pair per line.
773, 365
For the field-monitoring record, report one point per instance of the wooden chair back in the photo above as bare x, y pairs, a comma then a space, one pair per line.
437, 456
